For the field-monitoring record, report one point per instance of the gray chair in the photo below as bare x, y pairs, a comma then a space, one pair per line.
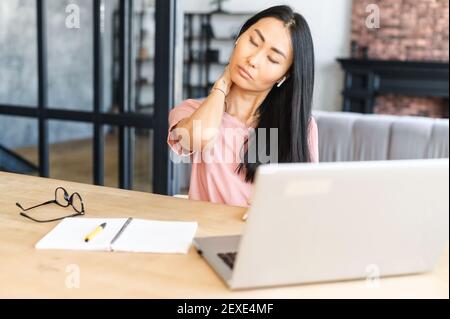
364, 137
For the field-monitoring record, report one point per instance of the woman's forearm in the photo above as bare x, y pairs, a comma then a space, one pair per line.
202, 126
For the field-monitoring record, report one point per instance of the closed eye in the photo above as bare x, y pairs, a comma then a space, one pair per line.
253, 42
273, 61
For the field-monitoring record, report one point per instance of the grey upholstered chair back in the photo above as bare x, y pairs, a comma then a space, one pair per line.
365, 137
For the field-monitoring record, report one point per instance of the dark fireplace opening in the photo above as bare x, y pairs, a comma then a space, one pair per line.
417, 88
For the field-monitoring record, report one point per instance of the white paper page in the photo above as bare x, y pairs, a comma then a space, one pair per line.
153, 236
70, 233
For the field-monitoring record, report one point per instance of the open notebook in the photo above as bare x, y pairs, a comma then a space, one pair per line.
121, 234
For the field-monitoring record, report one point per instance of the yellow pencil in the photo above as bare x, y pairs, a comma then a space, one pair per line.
95, 232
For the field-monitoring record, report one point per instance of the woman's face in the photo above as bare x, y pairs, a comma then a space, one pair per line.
262, 56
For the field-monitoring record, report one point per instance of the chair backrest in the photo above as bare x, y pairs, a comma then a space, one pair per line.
345, 136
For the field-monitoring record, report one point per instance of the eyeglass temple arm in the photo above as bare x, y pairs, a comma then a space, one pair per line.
45, 203
49, 220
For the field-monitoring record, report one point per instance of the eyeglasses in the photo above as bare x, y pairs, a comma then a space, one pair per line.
62, 199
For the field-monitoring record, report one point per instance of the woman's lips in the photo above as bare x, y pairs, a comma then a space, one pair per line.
244, 73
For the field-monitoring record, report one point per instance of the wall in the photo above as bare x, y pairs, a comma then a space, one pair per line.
409, 30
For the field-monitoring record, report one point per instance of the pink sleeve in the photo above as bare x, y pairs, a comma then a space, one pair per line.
178, 113
313, 141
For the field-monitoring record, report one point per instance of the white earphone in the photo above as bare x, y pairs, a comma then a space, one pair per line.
281, 82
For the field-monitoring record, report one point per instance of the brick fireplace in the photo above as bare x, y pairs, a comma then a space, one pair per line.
410, 30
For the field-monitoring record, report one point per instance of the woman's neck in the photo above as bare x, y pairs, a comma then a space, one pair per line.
243, 104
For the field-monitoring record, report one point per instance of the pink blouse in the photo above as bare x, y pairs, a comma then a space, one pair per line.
213, 176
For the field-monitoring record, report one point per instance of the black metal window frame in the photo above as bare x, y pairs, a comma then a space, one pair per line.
125, 119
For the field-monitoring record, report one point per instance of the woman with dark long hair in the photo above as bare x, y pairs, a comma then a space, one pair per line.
261, 103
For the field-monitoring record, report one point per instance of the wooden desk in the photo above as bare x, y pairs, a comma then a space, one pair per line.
26, 272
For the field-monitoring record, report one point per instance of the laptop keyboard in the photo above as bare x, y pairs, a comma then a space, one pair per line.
228, 258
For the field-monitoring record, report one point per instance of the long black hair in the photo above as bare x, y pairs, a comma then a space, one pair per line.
288, 107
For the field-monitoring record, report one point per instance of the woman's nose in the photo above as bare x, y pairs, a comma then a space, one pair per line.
254, 59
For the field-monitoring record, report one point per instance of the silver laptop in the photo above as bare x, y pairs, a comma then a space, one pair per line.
337, 221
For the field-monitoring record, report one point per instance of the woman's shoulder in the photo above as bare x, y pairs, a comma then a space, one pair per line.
190, 103
183, 109
313, 131
313, 140
312, 125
